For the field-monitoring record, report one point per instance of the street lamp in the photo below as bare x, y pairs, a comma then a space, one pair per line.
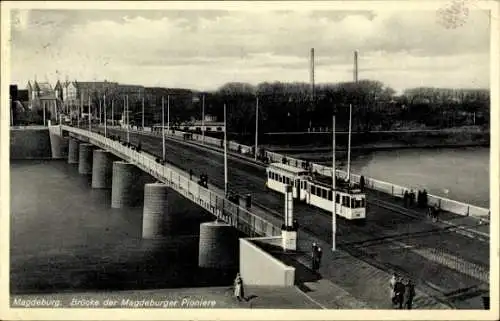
334, 193
163, 126
256, 127
225, 153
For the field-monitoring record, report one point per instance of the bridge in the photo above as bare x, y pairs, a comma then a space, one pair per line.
395, 238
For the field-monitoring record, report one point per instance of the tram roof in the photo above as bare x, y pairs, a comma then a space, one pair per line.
340, 185
288, 168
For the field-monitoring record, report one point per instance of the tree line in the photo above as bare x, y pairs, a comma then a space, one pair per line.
292, 107
375, 106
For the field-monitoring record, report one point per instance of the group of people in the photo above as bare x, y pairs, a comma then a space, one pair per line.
317, 253
421, 198
401, 294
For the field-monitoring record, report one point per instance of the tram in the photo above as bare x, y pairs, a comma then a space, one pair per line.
316, 190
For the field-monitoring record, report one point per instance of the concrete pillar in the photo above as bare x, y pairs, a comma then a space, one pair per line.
73, 151
85, 159
102, 169
56, 145
155, 218
218, 246
127, 185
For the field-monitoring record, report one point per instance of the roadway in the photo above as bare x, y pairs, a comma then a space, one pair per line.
398, 239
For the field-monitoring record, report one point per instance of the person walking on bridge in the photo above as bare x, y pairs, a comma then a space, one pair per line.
392, 285
239, 292
409, 294
399, 291
314, 255
318, 258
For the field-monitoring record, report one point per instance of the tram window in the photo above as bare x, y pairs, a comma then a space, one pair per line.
324, 193
358, 203
353, 203
337, 198
313, 190
330, 195
345, 201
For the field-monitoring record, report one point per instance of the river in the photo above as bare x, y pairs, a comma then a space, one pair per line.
460, 174
65, 236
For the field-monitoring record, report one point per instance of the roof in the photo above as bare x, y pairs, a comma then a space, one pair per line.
94, 84
288, 168
340, 184
43, 86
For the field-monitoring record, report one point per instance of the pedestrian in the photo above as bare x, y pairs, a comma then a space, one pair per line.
436, 213
362, 182
419, 198
406, 198
314, 255
239, 292
409, 294
399, 289
295, 224
424, 198
412, 197
392, 285
318, 257
190, 174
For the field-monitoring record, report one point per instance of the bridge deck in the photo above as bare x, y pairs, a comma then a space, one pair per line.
441, 260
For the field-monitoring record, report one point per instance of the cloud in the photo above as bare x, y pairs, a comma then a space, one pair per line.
208, 48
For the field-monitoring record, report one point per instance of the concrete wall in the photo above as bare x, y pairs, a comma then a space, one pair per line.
26, 143
259, 268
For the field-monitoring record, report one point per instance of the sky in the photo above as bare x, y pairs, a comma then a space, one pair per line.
203, 49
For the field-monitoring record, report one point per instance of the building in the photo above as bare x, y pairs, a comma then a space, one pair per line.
43, 97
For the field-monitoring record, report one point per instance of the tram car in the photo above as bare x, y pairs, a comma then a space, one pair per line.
316, 190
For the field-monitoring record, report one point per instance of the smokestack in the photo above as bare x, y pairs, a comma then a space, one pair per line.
312, 74
355, 66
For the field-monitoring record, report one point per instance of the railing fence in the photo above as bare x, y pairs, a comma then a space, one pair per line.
216, 204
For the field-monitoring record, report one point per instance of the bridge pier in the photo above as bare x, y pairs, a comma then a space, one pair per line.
85, 159
102, 169
57, 145
73, 151
155, 220
218, 247
127, 187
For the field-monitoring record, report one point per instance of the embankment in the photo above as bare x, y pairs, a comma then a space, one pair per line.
30, 143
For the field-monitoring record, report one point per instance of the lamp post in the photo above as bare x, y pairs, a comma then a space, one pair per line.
203, 120
142, 113
256, 127
168, 114
112, 112
105, 118
90, 117
349, 146
128, 119
334, 194
163, 126
225, 153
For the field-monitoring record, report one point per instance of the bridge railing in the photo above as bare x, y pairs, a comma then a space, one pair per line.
375, 184
216, 204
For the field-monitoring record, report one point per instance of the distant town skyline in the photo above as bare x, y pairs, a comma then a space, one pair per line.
204, 49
